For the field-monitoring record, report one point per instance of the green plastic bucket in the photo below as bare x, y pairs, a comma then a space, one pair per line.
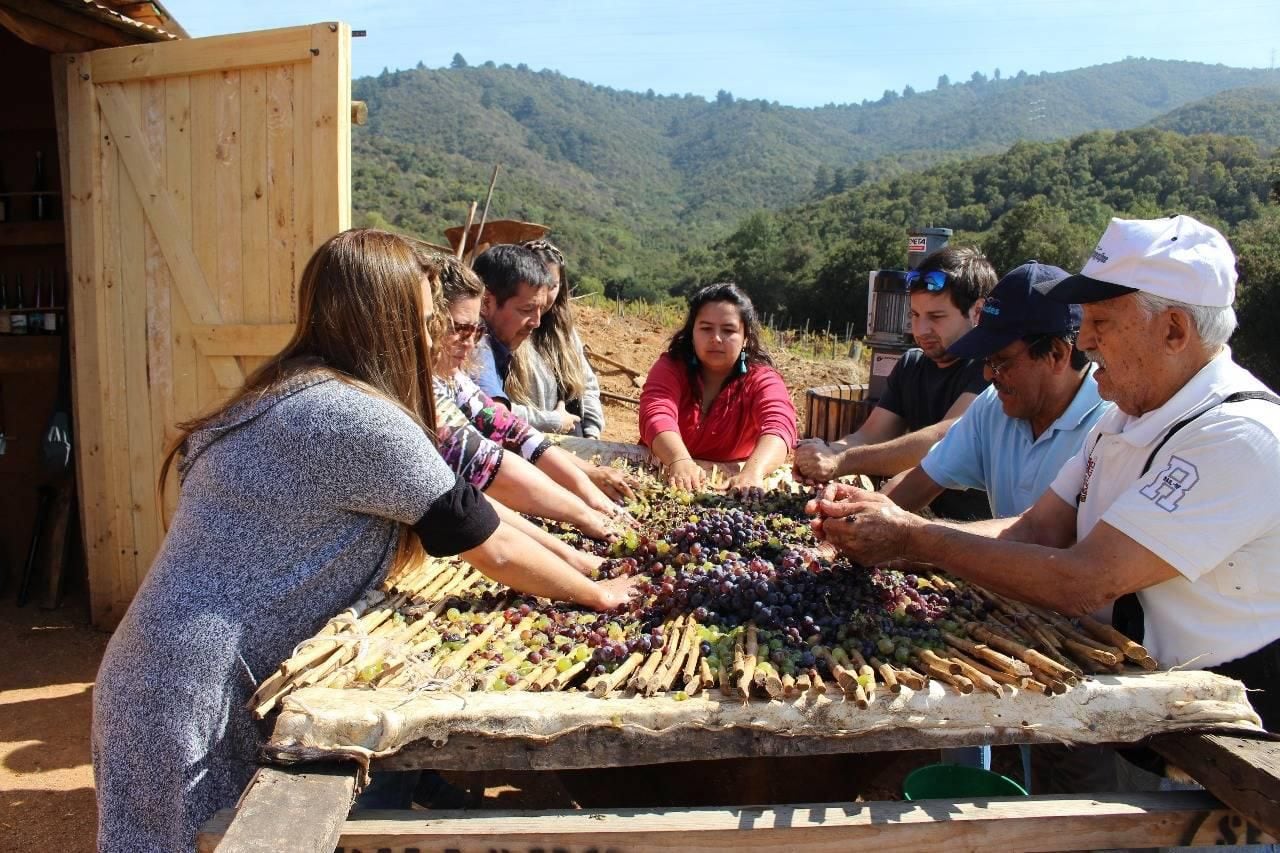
953, 782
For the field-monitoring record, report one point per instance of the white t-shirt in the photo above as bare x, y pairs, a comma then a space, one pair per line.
1207, 506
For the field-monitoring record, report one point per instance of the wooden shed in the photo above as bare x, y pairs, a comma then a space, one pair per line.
197, 177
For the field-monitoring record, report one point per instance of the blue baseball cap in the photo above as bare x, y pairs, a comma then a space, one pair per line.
1016, 309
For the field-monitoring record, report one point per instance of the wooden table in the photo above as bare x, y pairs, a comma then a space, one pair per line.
304, 808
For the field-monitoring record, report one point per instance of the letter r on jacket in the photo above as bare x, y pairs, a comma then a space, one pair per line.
1171, 485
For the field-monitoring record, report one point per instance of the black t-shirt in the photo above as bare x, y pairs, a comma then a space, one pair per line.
921, 393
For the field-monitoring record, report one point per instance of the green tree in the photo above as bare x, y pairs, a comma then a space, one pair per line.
458, 61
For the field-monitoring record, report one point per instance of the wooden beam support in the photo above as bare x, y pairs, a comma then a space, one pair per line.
359, 112
282, 809
1013, 823
263, 339
1242, 772
214, 53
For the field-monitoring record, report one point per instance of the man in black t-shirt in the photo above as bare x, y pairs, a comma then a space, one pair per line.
927, 390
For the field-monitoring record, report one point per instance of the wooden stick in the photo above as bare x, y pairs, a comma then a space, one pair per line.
487, 197
997, 675
621, 398
466, 231
703, 678
725, 678
866, 675
929, 657
887, 675
1133, 651
1091, 653
610, 682
980, 679
985, 653
595, 356
788, 685
816, 684
666, 675
911, 678
943, 673
803, 683
1029, 656
563, 678
748, 662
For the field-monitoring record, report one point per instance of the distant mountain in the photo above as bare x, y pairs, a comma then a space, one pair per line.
630, 180
1253, 112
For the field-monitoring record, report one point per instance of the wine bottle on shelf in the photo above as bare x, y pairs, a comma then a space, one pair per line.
18, 318
39, 201
4, 306
35, 319
4, 197
50, 316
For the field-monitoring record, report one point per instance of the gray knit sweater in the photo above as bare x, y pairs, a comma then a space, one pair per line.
544, 394
289, 509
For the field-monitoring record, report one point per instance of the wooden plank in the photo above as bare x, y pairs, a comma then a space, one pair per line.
135, 391
330, 118
242, 339
115, 400
198, 56
228, 283
55, 18
281, 187
186, 359
255, 205
159, 288
1242, 772
188, 275
305, 234
44, 35
287, 810
1013, 823
85, 313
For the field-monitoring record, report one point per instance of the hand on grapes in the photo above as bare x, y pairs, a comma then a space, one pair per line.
744, 480
612, 482
814, 462
568, 422
687, 474
617, 592
869, 527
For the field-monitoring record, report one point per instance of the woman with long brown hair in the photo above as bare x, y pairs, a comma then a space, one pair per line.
296, 496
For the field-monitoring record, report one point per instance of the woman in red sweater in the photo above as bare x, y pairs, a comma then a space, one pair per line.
715, 395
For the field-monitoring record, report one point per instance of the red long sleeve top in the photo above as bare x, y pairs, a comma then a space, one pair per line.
746, 408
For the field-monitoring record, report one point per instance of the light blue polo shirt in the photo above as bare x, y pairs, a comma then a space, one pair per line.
986, 449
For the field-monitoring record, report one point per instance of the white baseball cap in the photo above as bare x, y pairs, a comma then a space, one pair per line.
1177, 257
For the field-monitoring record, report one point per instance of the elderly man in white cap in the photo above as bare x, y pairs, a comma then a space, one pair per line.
1172, 496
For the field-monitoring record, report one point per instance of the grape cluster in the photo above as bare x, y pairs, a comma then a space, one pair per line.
751, 557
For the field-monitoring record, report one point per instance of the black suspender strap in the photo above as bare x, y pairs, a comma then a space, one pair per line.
1126, 614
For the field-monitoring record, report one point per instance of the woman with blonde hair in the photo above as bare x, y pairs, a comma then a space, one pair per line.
296, 495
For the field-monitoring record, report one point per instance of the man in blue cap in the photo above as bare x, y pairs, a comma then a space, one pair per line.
1034, 416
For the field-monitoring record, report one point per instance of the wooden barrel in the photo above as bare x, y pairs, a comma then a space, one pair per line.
834, 411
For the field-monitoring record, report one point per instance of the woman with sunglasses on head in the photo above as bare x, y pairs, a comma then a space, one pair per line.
485, 442
715, 395
297, 495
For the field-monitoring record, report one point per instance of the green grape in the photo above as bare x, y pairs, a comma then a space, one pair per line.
580, 653
563, 663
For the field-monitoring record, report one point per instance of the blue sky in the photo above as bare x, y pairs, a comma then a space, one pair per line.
797, 52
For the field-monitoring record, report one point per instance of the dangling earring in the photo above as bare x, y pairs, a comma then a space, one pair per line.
742, 363
693, 360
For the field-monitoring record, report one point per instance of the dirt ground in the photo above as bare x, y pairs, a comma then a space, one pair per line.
50, 658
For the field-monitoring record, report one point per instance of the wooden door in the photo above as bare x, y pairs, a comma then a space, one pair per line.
202, 174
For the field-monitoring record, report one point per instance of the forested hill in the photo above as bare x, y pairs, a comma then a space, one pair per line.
628, 180
1044, 200
1252, 111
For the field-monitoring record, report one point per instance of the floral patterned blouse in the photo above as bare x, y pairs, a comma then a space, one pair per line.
474, 430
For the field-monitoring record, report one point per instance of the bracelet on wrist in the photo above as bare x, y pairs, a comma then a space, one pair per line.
674, 462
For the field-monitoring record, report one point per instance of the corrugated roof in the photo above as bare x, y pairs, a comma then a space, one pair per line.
147, 20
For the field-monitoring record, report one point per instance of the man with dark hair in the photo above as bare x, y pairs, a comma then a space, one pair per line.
928, 390
1042, 401
516, 289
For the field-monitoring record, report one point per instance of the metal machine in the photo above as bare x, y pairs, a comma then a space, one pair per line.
888, 307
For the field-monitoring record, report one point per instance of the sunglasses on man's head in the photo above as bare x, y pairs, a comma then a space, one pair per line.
932, 281
474, 331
